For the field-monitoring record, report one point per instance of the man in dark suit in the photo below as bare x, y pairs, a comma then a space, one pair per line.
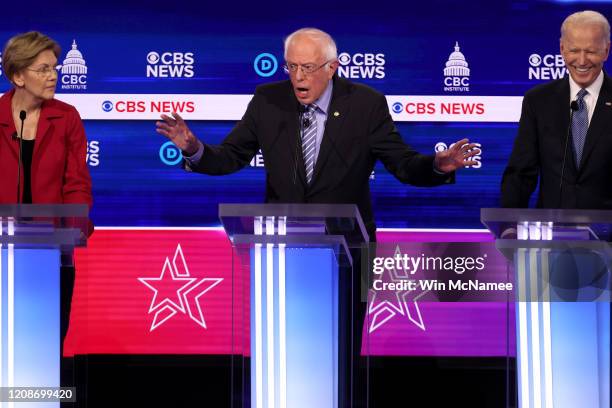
320, 136
571, 160
353, 130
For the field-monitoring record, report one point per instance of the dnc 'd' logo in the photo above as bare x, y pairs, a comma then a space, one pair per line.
265, 64
169, 154
73, 70
456, 72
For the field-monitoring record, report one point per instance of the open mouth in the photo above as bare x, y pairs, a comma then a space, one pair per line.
301, 91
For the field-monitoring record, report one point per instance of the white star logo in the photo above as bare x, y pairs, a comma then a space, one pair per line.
404, 303
176, 291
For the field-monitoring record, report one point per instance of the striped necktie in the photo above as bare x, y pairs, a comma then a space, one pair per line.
309, 139
580, 125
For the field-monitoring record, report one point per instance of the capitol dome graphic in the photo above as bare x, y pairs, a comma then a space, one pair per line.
456, 64
74, 62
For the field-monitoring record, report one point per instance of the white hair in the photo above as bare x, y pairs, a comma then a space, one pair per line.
587, 17
328, 44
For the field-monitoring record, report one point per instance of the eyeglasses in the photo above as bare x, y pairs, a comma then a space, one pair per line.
45, 70
306, 68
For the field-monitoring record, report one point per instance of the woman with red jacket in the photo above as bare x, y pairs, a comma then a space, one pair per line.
54, 144
54, 147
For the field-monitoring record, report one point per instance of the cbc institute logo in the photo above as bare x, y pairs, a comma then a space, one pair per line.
176, 291
73, 70
456, 72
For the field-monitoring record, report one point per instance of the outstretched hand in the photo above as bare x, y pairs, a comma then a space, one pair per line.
178, 132
458, 156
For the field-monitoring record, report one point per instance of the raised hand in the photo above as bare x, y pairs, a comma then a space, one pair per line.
175, 129
458, 156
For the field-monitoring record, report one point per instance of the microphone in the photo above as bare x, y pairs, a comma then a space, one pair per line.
22, 116
573, 108
305, 122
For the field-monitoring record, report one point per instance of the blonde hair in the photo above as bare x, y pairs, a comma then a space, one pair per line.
21, 51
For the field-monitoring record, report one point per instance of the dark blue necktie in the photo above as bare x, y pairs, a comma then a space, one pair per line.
580, 125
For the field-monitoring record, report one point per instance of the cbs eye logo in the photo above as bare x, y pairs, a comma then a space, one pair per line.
397, 107
152, 57
344, 58
107, 106
535, 60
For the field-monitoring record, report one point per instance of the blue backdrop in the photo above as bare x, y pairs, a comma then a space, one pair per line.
399, 48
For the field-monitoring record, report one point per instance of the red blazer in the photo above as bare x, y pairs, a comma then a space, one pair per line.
59, 169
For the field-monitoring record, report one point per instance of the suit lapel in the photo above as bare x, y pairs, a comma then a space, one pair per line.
7, 132
602, 119
45, 126
561, 124
45, 123
337, 112
294, 138
7, 127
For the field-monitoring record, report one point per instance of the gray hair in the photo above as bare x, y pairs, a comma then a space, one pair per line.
328, 44
587, 17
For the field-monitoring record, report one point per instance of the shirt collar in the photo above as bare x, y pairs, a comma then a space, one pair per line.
325, 98
593, 89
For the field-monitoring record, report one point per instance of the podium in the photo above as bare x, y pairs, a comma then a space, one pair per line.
562, 264
292, 327
32, 239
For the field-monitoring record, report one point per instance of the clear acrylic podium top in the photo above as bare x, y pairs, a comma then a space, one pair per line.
301, 220
563, 224
44, 225
338, 226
